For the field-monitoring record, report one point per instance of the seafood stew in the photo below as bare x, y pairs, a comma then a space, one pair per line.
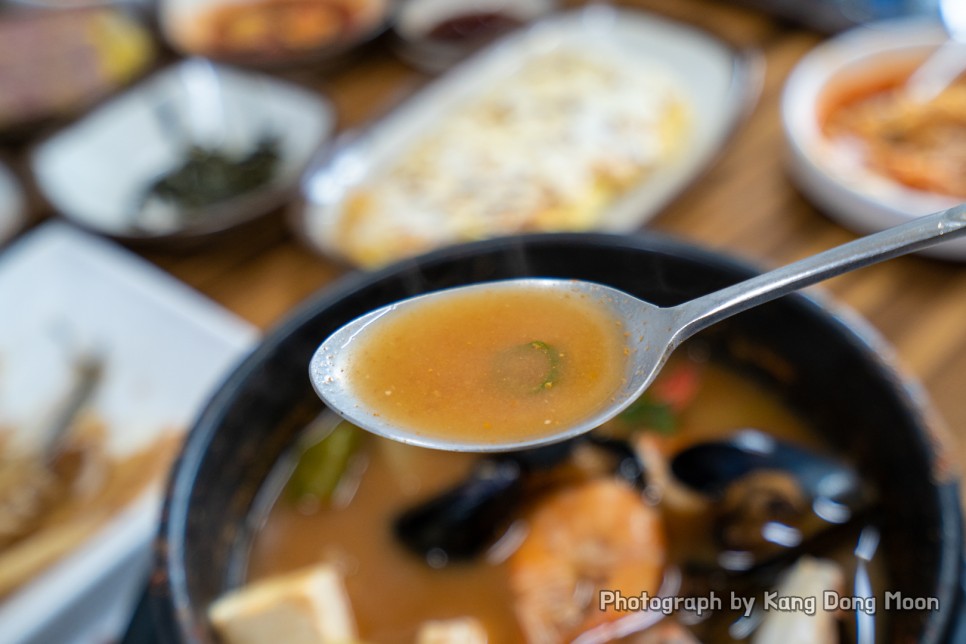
864, 418
525, 544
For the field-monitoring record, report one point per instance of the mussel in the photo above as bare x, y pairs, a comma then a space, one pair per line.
460, 522
769, 494
463, 521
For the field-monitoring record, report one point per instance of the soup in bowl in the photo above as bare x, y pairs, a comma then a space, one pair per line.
779, 475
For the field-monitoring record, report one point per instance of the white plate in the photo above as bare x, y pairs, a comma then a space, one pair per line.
843, 188
165, 347
719, 82
96, 170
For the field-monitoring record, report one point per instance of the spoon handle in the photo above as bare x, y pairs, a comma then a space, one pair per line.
905, 238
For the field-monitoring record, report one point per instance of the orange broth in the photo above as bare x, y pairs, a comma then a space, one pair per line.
491, 365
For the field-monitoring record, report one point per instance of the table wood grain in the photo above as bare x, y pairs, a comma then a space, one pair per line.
743, 205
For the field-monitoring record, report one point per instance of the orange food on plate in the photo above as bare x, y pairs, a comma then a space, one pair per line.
919, 144
277, 27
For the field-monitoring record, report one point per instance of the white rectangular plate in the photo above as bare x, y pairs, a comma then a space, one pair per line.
165, 349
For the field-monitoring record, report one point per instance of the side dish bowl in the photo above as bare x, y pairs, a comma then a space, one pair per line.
433, 35
272, 34
99, 171
823, 362
832, 176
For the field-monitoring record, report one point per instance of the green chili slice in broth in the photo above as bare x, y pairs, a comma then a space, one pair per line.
532, 367
322, 466
648, 413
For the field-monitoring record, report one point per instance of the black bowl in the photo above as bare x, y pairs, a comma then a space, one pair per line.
831, 369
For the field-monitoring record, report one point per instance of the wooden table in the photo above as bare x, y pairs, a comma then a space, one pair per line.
744, 205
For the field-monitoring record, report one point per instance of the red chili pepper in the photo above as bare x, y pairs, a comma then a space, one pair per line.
677, 387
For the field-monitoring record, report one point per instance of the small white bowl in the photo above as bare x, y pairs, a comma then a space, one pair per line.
842, 187
414, 21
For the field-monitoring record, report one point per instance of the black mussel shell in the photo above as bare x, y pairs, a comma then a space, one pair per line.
712, 467
461, 522
628, 465
771, 497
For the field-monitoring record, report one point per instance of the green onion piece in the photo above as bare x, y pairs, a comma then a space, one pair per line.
532, 367
647, 413
321, 467
553, 364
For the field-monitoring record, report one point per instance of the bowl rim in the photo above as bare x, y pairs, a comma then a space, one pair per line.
177, 621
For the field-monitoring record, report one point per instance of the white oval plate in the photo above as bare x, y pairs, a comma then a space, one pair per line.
718, 81
95, 171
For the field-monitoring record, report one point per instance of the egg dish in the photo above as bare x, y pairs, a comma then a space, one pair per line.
549, 148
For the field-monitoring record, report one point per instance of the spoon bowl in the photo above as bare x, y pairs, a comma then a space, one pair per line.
652, 332
649, 331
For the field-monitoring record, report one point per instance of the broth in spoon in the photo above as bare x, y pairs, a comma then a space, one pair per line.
490, 365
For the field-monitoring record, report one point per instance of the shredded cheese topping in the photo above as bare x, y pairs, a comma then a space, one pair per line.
548, 149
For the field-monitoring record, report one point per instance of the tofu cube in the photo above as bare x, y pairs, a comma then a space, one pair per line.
308, 606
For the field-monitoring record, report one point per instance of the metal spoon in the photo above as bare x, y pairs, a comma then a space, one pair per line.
653, 331
948, 61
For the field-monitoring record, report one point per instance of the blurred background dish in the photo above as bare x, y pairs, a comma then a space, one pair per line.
86, 55
271, 33
869, 155
68, 568
634, 85
433, 35
833, 16
12, 204
195, 150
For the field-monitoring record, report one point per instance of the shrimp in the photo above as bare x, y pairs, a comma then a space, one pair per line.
666, 632
594, 536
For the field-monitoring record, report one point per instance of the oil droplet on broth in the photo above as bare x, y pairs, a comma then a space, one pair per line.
502, 364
